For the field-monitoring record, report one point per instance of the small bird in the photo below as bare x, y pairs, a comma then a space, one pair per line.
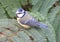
27, 21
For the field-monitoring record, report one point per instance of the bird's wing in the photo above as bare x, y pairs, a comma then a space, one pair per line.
35, 23
32, 22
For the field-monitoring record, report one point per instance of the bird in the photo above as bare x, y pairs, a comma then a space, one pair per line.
27, 21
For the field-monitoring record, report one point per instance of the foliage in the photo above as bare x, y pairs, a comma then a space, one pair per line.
46, 11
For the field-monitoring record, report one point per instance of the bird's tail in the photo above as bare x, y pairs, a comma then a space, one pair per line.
42, 25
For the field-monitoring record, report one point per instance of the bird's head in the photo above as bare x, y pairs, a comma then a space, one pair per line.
20, 12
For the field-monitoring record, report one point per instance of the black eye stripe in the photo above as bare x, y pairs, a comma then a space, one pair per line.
20, 13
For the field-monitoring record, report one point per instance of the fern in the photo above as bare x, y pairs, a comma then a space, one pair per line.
47, 11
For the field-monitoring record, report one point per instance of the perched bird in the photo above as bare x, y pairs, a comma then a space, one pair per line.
27, 21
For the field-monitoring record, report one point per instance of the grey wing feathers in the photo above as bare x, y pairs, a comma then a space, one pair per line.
32, 22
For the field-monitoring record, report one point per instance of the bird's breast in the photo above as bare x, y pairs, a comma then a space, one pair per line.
23, 25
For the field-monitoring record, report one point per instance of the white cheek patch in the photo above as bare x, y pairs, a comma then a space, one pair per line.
20, 15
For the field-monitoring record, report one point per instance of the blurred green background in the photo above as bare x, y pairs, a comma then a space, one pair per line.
46, 11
